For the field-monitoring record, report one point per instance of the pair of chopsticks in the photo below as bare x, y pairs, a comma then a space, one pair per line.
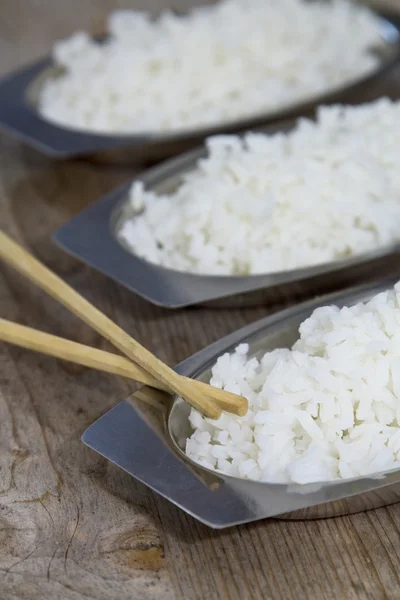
140, 364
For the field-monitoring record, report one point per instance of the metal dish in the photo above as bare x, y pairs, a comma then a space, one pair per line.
144, 436
20, 117
92, 237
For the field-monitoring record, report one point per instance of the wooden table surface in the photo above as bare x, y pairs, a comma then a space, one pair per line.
72, 526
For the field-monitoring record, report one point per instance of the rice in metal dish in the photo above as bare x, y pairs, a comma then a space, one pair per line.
327, 409
218, 63
327, 190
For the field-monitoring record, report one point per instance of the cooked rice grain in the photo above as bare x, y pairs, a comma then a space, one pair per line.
327, 409
327, 190
218, 63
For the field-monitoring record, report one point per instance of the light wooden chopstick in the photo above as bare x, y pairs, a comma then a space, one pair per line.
52, 345
30, 267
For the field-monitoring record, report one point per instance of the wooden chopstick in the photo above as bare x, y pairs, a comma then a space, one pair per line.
35, 271
52, 345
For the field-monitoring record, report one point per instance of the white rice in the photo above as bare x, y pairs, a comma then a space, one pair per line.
325, 191
216, 64
327, 409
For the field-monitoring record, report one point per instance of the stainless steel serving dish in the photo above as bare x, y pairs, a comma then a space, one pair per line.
145, 435
92, 236
19, 114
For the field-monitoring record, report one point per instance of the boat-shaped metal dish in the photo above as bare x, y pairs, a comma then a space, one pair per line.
19, 113
145, 436
92, 236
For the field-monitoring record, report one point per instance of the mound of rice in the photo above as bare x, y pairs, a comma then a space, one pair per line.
326, 190
218, 63
329, 408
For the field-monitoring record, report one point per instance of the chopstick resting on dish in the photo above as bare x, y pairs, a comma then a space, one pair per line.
52, 345
206, 400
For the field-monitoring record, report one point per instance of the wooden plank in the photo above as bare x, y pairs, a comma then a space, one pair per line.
72, 526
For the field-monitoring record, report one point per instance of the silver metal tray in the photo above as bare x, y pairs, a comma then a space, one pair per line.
20, 117
91, 236
144, 436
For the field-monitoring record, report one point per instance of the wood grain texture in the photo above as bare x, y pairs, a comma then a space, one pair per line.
73, 527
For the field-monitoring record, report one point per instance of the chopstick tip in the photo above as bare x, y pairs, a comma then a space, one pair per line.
242, 406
